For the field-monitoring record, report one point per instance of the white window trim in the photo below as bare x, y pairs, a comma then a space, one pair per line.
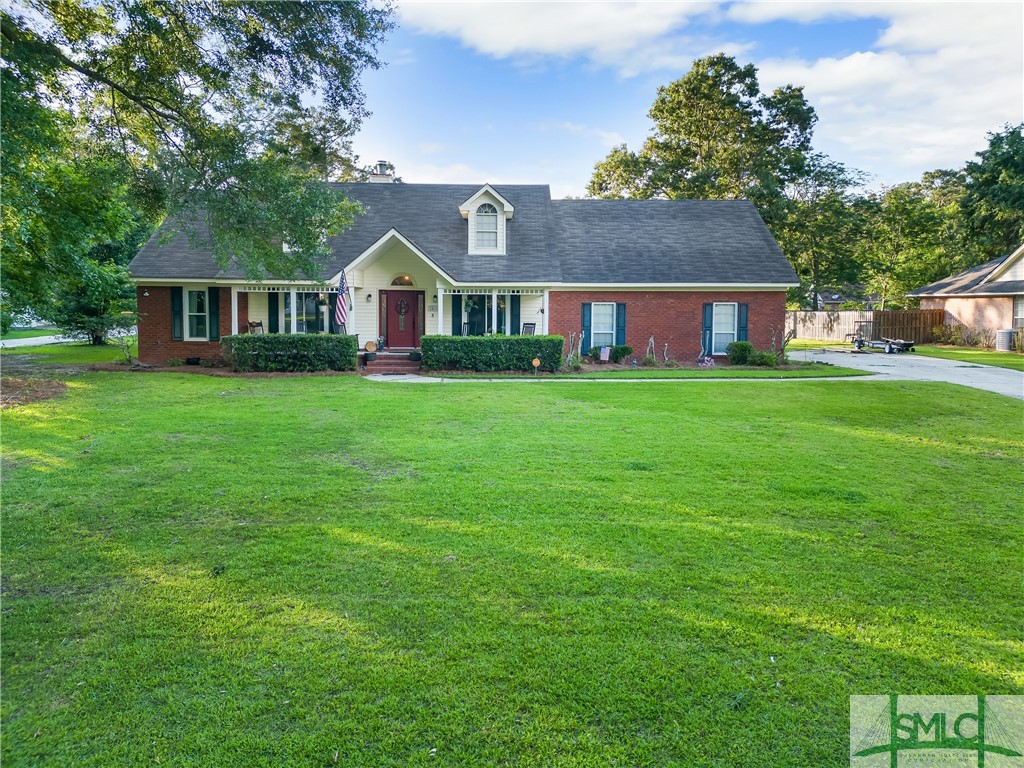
593, 327
185, 331
477, 230
1018, 311
735, 323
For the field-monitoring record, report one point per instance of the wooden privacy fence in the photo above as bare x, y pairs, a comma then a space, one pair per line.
836, 325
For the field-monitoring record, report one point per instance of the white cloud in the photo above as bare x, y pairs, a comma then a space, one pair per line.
630, 36
940, 76
608, 139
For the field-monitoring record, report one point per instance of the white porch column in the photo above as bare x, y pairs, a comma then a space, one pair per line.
494, 310
547, 312
234, 311
295, 311
350, 297
440, 310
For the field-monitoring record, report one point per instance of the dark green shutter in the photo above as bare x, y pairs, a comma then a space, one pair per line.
456, 314
705, 334
620, 324
273, 324
213, 296
741, 322
585, 328
332, 305
513, 303
177, 321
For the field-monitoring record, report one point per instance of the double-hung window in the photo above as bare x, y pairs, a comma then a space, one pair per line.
1018, 311
725, 326
197, 323
487, 227
602, 324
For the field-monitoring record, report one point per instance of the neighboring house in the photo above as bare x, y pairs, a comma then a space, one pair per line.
453, 259
832, 298
990, 295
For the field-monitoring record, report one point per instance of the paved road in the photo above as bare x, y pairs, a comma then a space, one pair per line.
35, 341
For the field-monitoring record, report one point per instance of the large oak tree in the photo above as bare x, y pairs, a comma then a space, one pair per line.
222, 114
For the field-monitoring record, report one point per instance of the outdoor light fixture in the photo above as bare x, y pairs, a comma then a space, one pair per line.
435, 298
146, 294
369, 297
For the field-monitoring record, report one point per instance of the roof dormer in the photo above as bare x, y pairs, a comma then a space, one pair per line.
487, 211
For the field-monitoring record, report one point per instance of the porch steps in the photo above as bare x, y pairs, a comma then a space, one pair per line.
389, 362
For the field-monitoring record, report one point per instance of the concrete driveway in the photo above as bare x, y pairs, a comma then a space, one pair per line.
910, 367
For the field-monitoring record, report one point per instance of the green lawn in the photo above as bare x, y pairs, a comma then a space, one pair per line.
73, 353
797, 371
265, 572
30, 333
976, 356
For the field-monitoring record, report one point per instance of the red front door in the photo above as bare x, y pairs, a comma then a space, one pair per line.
401, 318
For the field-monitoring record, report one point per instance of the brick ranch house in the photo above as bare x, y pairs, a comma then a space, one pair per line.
990, 295
463, 259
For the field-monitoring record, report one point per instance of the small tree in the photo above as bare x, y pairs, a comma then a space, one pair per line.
94, 303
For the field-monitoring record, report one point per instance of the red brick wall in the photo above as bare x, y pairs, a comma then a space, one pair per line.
672, 316
155, 343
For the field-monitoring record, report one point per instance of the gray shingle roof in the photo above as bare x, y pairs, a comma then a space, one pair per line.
667, 241
966, 282
561, 241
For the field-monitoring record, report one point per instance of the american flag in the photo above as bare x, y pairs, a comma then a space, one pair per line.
341, 307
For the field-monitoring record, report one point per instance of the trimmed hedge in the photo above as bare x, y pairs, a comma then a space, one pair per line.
491, 353
279, 352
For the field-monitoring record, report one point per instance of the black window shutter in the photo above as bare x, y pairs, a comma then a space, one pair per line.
456, 314
706, 330
620, 324
513, 303
273, 325
332, 305
741, 322
177, 321
585, 327
213, 295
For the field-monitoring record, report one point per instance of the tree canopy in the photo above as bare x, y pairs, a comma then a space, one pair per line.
225, 114
715, 136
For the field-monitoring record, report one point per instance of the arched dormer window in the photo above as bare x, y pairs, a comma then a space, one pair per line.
403, 280
486, 227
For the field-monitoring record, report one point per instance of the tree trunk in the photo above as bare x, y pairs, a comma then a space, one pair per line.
98, 339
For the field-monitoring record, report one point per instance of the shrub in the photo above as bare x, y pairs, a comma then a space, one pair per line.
616, 354
620, 352
6, 321
941, 334
290, 353
649, 361
739, 352
492, 353
174, 362
764, 358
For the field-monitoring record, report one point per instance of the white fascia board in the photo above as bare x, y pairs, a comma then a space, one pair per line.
1001, 269
467, 206
387, 237
224, 282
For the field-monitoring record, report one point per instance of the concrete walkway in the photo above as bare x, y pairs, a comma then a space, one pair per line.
905, 367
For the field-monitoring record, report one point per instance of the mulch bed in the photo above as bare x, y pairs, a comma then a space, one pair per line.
23, 391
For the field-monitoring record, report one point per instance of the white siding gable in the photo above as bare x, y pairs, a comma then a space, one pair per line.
469, 210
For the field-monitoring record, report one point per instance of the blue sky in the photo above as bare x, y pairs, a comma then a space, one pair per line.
539, 92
